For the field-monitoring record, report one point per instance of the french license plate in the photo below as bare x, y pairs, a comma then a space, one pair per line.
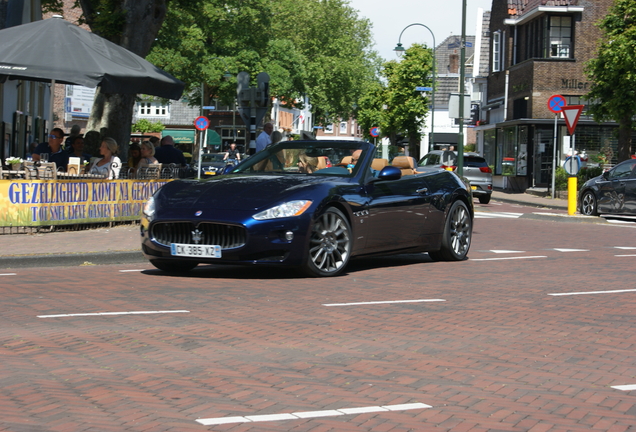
473, 187
189, 250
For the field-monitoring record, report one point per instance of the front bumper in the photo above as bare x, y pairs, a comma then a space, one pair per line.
260, 242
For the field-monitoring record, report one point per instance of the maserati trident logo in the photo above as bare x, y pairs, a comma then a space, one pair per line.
197, 236
198, 213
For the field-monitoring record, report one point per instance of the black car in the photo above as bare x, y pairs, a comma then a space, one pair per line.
286, 206
613, 192
212, 164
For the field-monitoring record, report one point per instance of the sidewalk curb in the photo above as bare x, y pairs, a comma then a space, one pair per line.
71, 260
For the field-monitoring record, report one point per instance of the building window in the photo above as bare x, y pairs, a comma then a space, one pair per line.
329, 128
343, 128
152, 109
560, 31
496, 51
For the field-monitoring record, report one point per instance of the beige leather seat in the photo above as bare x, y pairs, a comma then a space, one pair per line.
406, 164
379, 163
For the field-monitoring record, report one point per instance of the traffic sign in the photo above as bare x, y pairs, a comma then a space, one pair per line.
201, 123
556, 103
571, 114
374, 131
208, 107
423, 89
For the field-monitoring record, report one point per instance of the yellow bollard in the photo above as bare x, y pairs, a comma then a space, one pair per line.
572, 195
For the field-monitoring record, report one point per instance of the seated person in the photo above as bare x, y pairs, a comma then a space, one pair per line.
307, 164
53, 150
134, 155
77, 149
147, 158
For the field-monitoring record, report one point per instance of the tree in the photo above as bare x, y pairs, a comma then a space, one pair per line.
407, 108
613, 72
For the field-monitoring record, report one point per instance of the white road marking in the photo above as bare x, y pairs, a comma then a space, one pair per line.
310, 414
625, 255
495, 215
8, 274
384, 302
134, 270
111, 313
506, 258
625, 247
629, 387
505, 251
594, 292
571, 250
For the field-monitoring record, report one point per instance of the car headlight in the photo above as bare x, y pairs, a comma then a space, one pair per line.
149, 208
288, 209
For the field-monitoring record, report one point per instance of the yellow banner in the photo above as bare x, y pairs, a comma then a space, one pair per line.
65, 202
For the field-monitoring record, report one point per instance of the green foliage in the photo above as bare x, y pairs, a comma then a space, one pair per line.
614, 68
144, 126
468, 148
561, 177
312, 47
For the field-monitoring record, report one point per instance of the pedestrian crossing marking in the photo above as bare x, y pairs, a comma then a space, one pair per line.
497, 215
311, 414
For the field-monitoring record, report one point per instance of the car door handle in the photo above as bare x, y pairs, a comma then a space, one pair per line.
421, 191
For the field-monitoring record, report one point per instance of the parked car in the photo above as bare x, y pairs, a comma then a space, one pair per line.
613, 192
476, 170
212, 164
272, 210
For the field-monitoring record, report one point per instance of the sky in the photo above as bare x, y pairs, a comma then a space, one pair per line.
390, 17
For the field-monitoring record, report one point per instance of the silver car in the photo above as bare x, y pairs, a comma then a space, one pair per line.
476, 170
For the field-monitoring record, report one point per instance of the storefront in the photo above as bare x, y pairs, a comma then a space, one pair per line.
521, 152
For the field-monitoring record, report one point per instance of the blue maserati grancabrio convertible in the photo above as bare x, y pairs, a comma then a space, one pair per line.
312, 205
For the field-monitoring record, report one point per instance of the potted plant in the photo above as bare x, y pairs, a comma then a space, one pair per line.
85, 166
14, 162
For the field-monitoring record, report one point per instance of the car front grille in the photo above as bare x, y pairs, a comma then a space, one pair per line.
226, 236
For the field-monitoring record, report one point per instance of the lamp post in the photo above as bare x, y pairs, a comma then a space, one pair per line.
399, 49
462, 90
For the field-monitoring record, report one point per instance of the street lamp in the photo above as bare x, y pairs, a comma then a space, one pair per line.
462, 90
399, 49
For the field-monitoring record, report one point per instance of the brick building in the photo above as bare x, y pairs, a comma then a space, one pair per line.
538, 49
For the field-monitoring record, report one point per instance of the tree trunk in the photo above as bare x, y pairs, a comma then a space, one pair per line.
113, 112
625, 138
111, 117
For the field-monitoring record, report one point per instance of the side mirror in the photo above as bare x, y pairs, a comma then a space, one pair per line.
389, 173
606, 175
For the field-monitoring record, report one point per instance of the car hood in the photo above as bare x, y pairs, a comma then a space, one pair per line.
237, 192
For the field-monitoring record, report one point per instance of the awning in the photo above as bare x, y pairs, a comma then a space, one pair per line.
214, 139
180, 136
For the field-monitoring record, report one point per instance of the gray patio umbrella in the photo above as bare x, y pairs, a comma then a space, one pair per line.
54, 49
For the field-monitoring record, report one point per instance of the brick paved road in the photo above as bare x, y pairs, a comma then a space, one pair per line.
498, 354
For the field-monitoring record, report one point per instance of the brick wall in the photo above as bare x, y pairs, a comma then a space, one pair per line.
538, 79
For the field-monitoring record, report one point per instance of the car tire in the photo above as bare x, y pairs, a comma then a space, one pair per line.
330, 244
484, 199
458, 231
174, 266
588, 204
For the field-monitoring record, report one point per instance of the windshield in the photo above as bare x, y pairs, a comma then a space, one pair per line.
306, 157
212, 157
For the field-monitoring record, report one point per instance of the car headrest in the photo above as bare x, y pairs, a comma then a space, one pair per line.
403, 162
